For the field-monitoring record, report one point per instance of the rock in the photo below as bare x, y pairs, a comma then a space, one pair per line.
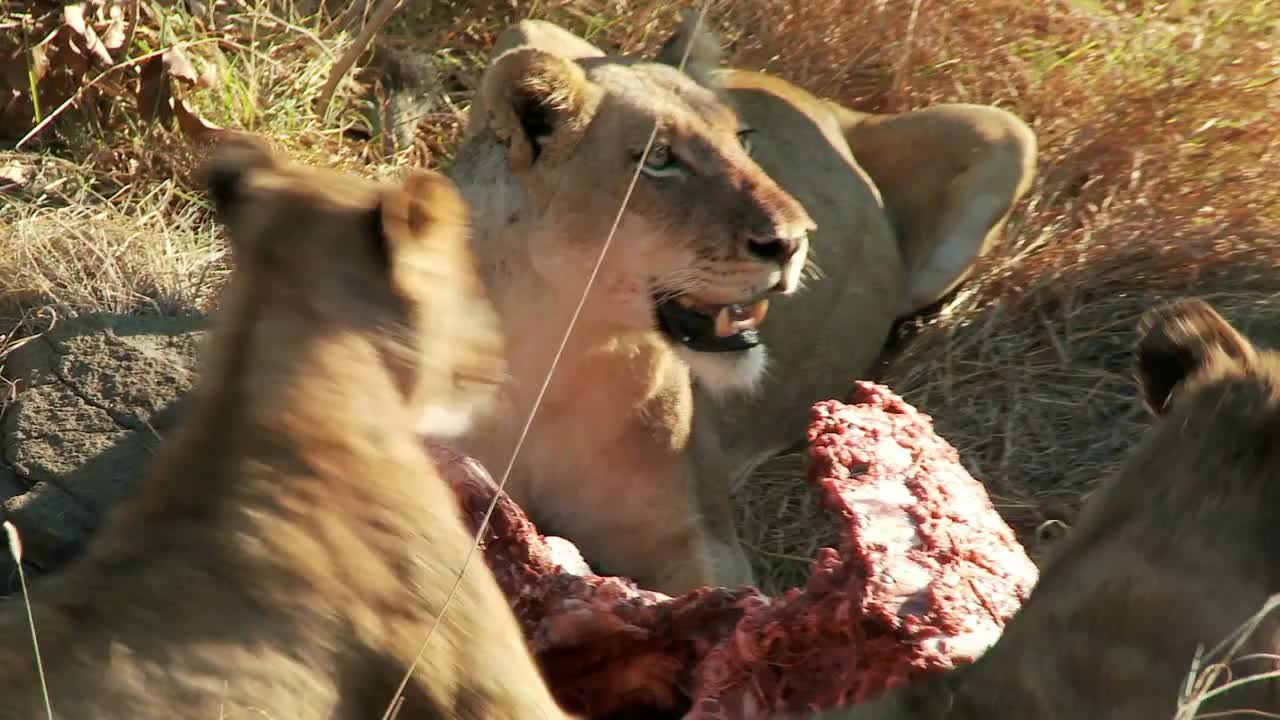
96, 395
925, 578
9, 485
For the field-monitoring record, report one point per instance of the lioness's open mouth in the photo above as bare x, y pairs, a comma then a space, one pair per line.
711, 328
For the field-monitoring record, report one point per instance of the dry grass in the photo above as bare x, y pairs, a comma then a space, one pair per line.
1159, 179
1158, 125
1159, 139
1213, 675
73, 248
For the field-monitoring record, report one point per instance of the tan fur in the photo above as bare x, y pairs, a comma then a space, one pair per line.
640, 442
291, 545
1174, 552
949, 176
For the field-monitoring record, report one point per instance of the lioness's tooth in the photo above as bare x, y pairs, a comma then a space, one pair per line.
724, 323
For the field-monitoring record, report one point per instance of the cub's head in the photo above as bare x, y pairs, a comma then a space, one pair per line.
1188, 351
1216, 398
558, 135
391, 260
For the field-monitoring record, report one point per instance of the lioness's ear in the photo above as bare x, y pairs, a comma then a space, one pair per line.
539, 104
544, 35
701, 44
1178, 339
231, 160
413, 220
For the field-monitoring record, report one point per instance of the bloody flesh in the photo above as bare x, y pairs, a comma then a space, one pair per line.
926, 575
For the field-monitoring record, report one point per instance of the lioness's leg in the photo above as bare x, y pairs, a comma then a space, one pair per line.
711, 485
655, 522
702, 557
949, 175
673, 545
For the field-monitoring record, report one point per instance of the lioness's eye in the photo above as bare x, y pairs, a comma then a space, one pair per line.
661, 162
744, 137
659, 157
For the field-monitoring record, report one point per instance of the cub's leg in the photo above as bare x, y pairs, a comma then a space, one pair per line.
949, 174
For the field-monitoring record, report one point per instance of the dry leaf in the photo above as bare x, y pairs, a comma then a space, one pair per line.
89, 43
178, 66
154, 94
208, 76
16, 111
196, 128
14, 176
39, 62
156, 100
113, 36
73, 16
64, 56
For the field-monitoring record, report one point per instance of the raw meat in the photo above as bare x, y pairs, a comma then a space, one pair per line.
926, 576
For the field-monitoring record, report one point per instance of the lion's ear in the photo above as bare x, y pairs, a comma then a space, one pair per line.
411, 221
539, 105
1179, 339
699, 41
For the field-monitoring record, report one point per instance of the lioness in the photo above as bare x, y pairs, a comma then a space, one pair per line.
671, 390
1173, 553
291, 545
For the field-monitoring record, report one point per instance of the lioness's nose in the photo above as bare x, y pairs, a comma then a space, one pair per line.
777, 249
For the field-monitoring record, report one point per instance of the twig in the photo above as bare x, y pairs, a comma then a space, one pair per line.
900, 73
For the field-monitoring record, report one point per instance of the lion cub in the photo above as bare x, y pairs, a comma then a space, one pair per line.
291, 546
1175, 552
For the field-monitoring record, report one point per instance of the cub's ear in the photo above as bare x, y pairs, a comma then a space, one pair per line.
699, 41
1177, 340
230, 163
539, 105
418, 224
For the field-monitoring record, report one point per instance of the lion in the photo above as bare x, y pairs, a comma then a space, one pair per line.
672, 387
1169, 557
291, 546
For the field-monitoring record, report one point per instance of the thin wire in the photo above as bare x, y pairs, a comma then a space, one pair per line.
546, 382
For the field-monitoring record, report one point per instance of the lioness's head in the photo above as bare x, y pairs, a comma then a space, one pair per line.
556, 140
344, 252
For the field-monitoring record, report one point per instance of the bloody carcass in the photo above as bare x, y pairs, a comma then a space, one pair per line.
924, 579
